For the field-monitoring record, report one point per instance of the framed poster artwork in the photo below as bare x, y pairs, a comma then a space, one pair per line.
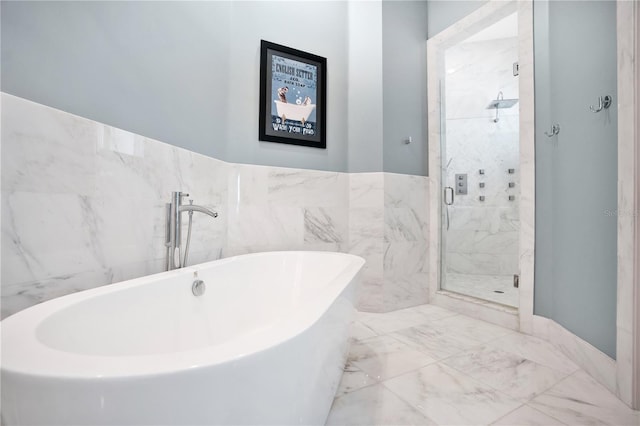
293, 96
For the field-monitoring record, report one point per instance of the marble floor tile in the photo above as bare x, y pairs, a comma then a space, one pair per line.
470, 328
353, 379
580, 400
448, 396
436, 343
536, 350
360, 331
383, 357
486, 374
384, 323
374, 405
527, 416
518, 377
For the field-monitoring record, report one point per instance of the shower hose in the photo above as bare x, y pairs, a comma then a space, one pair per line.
186, 247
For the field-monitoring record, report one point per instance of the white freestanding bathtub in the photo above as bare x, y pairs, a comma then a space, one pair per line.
265, 344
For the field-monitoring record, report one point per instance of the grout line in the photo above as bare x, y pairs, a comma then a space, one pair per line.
546, 414
502, 417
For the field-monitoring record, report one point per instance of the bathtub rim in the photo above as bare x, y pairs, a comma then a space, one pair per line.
46, 362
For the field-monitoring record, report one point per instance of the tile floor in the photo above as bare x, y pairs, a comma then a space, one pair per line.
484, 287
430, 366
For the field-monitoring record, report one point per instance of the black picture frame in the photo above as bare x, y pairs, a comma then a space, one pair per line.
293, 96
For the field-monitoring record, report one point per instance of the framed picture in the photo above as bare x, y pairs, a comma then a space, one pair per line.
293, 96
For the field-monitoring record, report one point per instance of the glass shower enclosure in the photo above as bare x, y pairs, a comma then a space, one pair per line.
479, 160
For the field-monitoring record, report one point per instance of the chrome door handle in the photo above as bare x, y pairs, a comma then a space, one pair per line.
445, 195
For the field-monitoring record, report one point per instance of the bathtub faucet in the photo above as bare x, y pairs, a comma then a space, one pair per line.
173, 228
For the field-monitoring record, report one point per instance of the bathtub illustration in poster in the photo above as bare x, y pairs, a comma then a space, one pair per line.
294, 88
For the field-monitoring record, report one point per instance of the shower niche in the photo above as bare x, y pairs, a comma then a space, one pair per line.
479, 140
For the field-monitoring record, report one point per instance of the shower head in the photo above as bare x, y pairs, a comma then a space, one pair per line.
502, 103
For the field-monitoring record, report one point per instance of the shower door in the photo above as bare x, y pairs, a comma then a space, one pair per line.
480, 165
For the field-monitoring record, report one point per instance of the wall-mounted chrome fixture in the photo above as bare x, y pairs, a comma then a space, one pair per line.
408, 140
555, 130
481, 184
511, 171
499, 103
481, 171
603, 102
512, 184
512, 197
481, 198
461, 183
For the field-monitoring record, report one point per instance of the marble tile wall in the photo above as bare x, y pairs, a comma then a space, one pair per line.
83, 205
483, 235
389, 227
406, 250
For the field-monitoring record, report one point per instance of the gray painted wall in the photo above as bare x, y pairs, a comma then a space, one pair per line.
576, 173
404, 65
365, 87
154, 68
443, 13
185, 73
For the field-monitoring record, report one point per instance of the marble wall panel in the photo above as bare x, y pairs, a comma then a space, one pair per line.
83, 205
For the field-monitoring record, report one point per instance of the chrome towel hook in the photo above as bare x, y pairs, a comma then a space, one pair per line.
555, 129
603, 102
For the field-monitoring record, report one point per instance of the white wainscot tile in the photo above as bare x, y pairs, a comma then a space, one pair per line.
371, 275
297, 187
247, 185
403, 224
366, 190
405, 259
46, 150
273, 227
516, 376
374, 405
579, 399
369, 295
48, 235
326, 224
204, 178
407, 191
127, 167
405, 275
450, 397
404, 292
366, 223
